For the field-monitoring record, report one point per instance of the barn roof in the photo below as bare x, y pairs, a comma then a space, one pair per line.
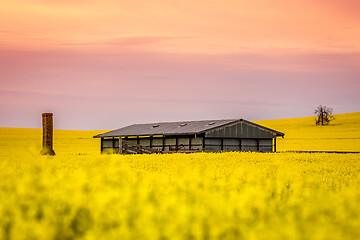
175, 128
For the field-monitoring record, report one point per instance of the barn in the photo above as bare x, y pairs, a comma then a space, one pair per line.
190, 136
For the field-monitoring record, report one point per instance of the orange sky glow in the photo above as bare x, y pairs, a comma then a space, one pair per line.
182, 26
67, 51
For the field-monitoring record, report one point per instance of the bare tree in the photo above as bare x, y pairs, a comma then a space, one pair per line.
323, 115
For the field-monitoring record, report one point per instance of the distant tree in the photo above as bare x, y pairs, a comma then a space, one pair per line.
323, 115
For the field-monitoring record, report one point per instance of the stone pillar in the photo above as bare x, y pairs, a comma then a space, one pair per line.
47, 122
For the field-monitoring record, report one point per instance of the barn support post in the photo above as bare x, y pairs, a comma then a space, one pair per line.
240, 144
101, 145
203, 143
190, 142
258, 144
120, 145
176, 143
274, 144
163, 143
47, 123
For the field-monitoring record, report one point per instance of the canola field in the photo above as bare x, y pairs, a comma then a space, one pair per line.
301, 134
81, 194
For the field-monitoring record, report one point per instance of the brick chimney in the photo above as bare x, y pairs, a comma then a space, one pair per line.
47, 122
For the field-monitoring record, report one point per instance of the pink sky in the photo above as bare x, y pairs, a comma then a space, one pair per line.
107, 64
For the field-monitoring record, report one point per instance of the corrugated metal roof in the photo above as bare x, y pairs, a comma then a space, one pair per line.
171, 128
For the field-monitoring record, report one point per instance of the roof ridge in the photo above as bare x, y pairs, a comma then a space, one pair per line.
186, 121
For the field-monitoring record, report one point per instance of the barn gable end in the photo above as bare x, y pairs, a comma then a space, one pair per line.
241, 129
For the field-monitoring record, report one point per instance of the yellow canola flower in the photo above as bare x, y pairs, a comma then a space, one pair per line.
180, 196
81, 194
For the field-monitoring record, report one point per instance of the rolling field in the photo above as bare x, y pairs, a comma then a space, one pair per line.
343, 134
80, 194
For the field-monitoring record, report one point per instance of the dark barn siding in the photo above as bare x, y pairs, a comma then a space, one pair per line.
240, 130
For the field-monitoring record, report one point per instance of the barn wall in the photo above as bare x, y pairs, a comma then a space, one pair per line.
170, 143
266, 145
241, 130
132, 140
212, 144
249, 145
183, 143
144, 142
231, 144
110, 145
196, 144
237, 144
157, 143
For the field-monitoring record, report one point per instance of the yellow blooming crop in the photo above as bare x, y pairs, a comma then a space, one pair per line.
343, 134
80, 194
